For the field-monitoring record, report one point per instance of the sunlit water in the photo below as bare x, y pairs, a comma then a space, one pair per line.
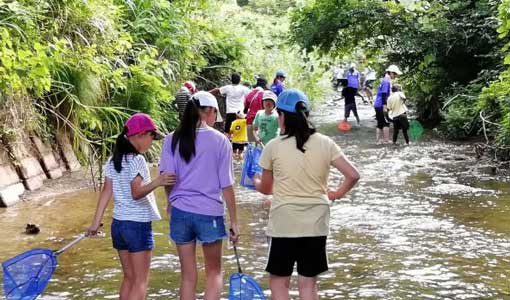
425, 222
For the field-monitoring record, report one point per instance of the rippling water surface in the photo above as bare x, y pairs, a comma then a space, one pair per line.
425, 222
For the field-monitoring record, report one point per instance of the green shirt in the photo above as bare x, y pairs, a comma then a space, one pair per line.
267, 125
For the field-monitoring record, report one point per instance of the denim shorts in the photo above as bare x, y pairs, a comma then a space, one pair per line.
186, 227
132, 236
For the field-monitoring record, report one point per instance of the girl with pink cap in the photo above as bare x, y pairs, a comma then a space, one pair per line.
128, 181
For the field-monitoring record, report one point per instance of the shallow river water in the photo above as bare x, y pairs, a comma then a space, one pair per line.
426, 221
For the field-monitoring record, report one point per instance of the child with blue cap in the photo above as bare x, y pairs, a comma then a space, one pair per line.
295, 171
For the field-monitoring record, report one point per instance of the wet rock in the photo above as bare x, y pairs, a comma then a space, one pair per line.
32, 229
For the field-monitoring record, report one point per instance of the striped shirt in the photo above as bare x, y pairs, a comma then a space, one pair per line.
125, 207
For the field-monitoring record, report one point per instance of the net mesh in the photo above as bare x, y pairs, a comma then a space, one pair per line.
243, 287
26, 275
415, 130
250, 166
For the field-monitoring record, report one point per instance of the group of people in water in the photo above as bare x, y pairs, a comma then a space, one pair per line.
196, 172
250, 115
389, 103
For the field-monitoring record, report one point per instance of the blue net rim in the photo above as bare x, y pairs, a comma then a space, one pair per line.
251, 281
37, 251
28, 253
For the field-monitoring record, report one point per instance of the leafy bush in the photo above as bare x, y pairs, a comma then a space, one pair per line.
439, 44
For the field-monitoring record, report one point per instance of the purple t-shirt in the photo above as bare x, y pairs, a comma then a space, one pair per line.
353, 79
277, 87
383, 92
200, 182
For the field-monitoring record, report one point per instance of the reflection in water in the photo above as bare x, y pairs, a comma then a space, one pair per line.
424, 223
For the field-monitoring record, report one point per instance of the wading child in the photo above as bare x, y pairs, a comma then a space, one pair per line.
128, 180
265, 125
349, 94
380, 104
201, 159
234, 94
295, 170
398, 112
239, 134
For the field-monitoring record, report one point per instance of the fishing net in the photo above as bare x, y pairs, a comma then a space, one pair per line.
26, 275
250, 166
415, 130
243, 287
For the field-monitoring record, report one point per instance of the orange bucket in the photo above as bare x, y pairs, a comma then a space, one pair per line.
344, 126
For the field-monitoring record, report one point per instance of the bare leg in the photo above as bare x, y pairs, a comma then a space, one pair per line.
129, 276
141, 262
355, 111
308, 288
279, 287
189, 275
386, 134
214, 282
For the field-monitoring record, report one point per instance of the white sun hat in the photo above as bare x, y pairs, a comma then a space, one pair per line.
207, 99
394, 69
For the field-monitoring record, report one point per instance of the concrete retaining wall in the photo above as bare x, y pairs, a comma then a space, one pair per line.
27, 163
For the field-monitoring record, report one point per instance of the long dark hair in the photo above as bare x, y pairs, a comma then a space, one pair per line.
122, 147
297, 125
261, 82
186, 133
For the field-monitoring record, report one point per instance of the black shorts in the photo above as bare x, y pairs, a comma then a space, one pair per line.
240, 147
401, 122
228, 121
349, 94
348, 108
308, 252
381, 120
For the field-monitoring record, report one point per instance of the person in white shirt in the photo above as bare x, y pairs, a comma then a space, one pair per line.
234, 97
398, 112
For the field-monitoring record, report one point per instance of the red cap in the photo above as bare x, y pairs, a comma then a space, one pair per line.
190, 86
139, 123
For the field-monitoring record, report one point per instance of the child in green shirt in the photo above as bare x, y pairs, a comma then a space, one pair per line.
265, 125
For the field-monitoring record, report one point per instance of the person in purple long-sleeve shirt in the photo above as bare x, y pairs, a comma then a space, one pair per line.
383, 127
201, 159
278, 86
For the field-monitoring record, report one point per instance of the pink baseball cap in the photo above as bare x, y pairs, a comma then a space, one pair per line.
139, 123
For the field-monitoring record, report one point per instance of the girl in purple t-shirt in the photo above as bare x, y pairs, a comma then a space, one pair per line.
201, 159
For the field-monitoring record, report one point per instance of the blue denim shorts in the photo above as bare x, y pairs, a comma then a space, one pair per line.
132, 236
186, 227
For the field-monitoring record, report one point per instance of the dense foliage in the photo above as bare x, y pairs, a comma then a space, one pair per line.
84, 66
449, 50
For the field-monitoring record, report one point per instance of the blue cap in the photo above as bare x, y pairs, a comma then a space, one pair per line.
281, 73
288, 99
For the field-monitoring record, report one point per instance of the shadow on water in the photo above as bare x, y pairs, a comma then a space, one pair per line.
425, 222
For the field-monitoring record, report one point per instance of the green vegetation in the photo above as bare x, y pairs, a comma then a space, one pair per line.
450, 51
87, 65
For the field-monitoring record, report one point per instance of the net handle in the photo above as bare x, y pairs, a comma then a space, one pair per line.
72, 243
237, 256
